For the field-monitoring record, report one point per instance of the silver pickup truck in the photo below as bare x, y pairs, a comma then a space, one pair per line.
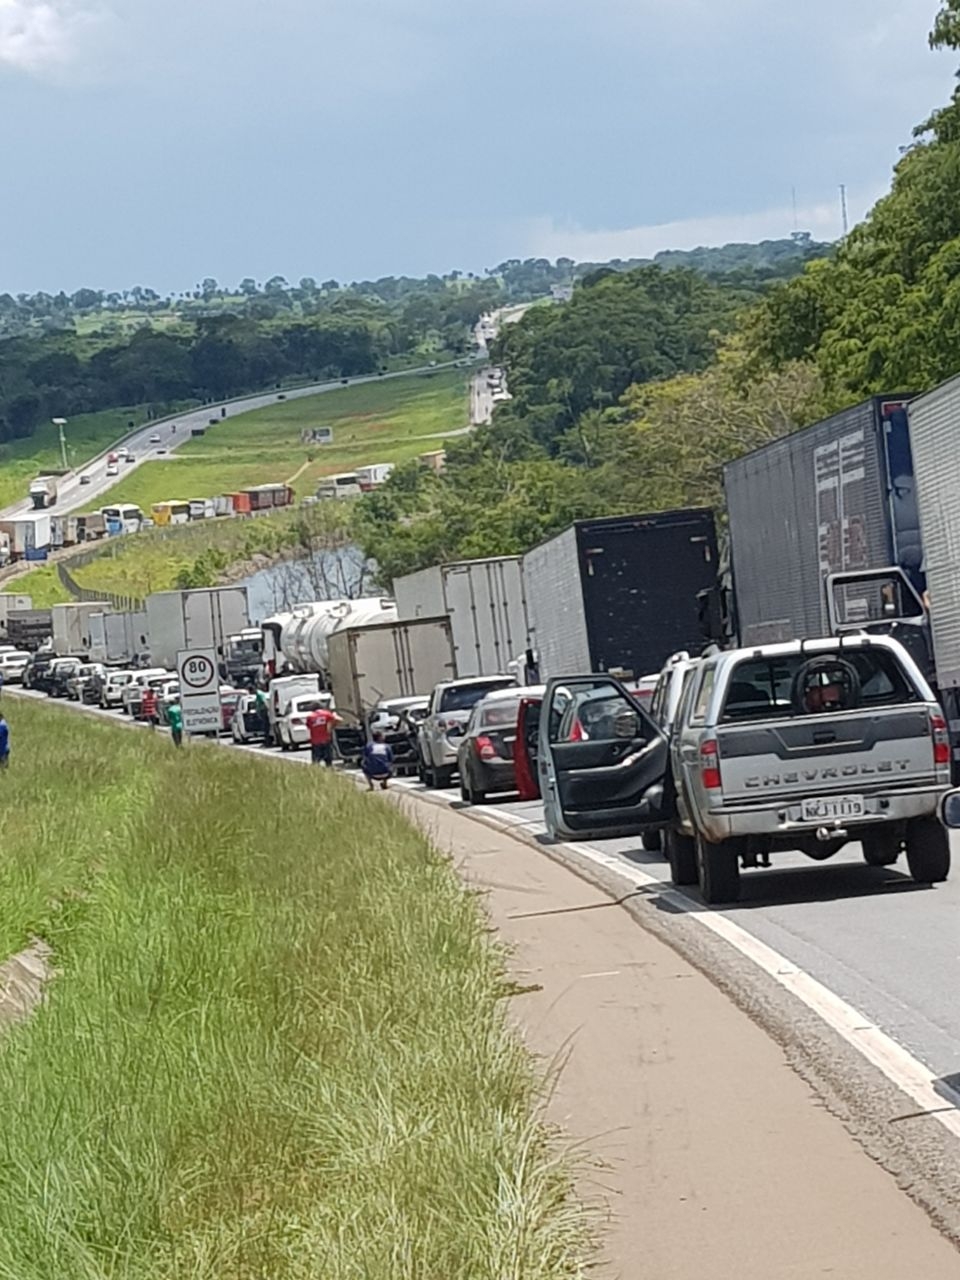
792, 746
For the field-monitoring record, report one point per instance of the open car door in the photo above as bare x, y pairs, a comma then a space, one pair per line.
603, 764
525, 748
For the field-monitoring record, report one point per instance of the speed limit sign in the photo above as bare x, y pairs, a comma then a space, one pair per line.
199, 690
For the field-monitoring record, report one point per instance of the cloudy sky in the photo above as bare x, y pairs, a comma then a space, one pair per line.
158, 141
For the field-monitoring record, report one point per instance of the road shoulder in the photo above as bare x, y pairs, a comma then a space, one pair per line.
708, 1152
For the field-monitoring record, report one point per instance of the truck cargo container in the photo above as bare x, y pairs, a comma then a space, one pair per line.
63, 531
485, 602
199, 619
620, 594
91, 528
223, 504
118, 639
71, 628
241, 503
43, 492
9, 602
264, 497
836, 497
29, 628
388, 660
202, 509
28, 534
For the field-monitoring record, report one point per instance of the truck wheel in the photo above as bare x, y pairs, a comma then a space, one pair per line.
881, 850
718, 872
928, 851
651, 841
681, 853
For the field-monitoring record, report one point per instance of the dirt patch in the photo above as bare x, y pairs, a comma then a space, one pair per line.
22, 981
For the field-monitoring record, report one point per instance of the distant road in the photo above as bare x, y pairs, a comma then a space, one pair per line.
174, 431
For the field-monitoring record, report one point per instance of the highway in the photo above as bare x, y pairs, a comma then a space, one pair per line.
174, 431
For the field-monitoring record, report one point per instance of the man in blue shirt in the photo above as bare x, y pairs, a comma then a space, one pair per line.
4, 742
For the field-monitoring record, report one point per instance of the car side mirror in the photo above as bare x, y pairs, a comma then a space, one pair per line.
950, 810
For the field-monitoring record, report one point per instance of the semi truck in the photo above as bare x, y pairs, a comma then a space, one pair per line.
29, 535
43, 492
11, 602
619, 594
296, 642
71, 627
486, 603
818, 520
29, 628
388, 660
197, 619
118, 639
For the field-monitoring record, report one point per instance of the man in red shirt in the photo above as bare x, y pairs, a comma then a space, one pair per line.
320, 726
148, 707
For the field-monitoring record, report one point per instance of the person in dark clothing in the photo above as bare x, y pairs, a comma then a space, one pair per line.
377, 762
4, 743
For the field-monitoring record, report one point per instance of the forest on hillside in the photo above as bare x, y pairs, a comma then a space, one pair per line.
633, 395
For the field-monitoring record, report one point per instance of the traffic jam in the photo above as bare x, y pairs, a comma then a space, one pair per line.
796, 693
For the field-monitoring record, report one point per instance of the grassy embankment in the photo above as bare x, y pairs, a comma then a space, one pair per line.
276, 1042
387, 421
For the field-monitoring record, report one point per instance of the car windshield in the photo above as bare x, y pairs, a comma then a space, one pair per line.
466, 696
820, 683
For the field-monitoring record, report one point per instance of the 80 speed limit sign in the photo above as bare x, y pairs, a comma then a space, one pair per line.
199, 690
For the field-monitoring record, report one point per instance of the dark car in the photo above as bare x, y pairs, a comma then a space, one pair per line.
61, 672
485, 757
36, 674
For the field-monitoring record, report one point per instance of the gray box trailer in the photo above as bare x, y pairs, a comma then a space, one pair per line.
835, 497
199, 619
485, 601
388, 660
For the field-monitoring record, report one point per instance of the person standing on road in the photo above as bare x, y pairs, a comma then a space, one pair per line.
320, 726
175, 721
377, 762
148, 707
4, 743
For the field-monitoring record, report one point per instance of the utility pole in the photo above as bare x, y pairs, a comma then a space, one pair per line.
60, 423
843, 208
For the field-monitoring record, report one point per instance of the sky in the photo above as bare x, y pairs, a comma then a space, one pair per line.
156, 142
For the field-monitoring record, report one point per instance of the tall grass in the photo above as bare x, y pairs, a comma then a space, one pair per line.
276, 1045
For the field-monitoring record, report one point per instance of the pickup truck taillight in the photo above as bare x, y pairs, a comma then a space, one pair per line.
485, 748
941, 739
710, 766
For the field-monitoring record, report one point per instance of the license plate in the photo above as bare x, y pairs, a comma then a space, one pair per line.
830, 808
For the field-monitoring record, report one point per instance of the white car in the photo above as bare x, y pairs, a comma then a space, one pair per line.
292, 728
385, 716
155, 438
111, 692
133, 691
113, 469
13, 663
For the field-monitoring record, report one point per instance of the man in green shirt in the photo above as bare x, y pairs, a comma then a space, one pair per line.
175, 720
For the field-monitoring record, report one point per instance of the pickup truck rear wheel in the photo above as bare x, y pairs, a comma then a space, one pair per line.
719, 872
681, 853
881, 850
928, 850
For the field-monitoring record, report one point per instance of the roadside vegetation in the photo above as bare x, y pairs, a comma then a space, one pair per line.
391, 421
276, 1042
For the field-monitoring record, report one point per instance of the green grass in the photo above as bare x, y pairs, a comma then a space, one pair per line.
41, 584
372, 422
276, 1045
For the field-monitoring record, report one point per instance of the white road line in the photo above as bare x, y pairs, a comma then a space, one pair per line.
899, 1066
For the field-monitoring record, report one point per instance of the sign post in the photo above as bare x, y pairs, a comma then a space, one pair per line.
199, 690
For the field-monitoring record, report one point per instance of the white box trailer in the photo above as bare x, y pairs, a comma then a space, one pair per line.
11, 602
71, 628
485, 601
118, 639
199, 619
388, 660
29, 534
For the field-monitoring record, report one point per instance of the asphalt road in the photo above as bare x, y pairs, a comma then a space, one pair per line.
173, 432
